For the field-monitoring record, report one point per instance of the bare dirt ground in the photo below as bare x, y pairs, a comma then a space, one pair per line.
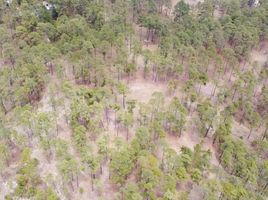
207, 90
141, 90
189, 139
257, 56
260, 55
242, 131
65, 133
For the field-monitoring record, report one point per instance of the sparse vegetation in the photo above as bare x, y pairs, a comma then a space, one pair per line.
132, 100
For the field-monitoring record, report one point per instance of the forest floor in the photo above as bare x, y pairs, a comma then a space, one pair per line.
141, 90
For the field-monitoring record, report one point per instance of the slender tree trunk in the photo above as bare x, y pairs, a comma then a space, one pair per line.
148, 36
264, 188
234, 94
107, 116
255, 91
101, 168
265, 133
92, 182
3, 106
77, 181
115, 119
230, 77
141, 34
225, 67
180, 132
57, 128
127, 133
199, 90
7, 162
244, 65
144, 71
123, 101
208, 130
214, 140
250, 132
117, 130
214, 90
190, 108
72, 187
241, 120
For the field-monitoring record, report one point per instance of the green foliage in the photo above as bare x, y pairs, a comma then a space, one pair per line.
79, 59
5, 155
149, 173
131, 192
206, 114
181, 9
28, 180
121, 165
176, 117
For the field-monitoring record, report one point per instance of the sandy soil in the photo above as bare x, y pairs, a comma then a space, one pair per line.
242, 131
207, 89
141, 90
260, 56
190, 139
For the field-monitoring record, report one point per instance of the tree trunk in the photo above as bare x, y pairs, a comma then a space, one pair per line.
118, 74
7, 162
255, 90
101, 168
225, 68
208, 130
92, 182
77, 182
141, 34
180, 132
144, 71
250, 133
57, 128
148, 37
127, 133
199, 90
190, 108
244, 66
243, 116
214, 90
72, 187
123, 101
107, 117
230, 77
214, 140
234, 94
264, 188
115, 119
3, 106
265, 133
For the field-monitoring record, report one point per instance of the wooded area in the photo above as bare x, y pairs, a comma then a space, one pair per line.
134, 99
